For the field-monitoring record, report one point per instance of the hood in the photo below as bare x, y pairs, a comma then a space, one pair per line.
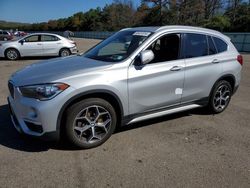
54, 69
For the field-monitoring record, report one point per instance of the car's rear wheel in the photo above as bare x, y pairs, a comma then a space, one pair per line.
12, 54
64, 52
5, 39
220, 96
90, 122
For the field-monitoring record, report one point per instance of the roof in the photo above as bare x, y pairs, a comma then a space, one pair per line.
43, 34
178, 27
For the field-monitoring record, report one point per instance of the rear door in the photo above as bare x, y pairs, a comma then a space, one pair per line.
51, 45
31, 46
203, 67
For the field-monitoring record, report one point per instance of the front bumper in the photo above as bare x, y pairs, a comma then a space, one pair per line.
36, 118
22, 127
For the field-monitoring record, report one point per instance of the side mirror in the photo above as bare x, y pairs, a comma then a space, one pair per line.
146, 56
22, 41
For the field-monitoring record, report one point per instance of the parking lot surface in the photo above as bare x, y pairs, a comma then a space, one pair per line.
189, 149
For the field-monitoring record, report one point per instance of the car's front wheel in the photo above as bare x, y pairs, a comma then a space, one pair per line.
220, 96
12, 54
90, 122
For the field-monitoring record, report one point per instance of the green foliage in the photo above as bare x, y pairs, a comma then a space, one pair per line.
220, 23
239, 17
232, 15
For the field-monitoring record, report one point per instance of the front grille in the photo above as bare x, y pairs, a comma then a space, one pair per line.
11, 89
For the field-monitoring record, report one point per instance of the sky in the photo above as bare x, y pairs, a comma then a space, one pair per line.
34, 11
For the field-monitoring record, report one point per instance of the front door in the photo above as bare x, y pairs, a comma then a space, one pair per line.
158, 84
31, 46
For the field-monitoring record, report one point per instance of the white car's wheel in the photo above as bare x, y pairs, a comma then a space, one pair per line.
64, 52
12, 54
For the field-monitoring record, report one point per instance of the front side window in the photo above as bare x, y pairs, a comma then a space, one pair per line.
220, 44
33, 38
195, 45
49, 38
166, 48
118, 47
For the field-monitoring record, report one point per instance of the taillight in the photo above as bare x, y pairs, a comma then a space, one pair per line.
240, 59
72, 42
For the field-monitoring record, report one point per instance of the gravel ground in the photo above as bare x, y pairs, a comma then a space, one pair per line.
190, 149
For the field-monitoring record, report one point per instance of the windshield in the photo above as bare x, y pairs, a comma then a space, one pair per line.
118, 47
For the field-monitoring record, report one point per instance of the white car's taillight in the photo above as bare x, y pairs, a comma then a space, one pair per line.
240, 59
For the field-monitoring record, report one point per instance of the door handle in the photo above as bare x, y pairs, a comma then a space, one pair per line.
215, 61
176, 68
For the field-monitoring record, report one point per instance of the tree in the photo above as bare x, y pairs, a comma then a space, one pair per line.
220, 23
239, 17
158, 6
119, 15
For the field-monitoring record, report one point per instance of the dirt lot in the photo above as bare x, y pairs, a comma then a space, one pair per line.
191, 149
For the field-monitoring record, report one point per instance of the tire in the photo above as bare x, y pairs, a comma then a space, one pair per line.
220, 97
64, 52
90, 122
12, 54
5, 39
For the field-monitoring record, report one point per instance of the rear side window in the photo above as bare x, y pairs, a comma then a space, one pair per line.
195, 45
5, 33
211, 46
220, 45
49, 38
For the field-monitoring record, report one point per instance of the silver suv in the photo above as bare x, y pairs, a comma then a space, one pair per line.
134, 75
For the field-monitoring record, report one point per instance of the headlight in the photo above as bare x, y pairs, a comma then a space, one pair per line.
43, 91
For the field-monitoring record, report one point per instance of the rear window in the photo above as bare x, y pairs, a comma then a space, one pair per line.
195, 45
220, 45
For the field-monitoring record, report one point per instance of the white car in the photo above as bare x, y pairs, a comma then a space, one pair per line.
38, 44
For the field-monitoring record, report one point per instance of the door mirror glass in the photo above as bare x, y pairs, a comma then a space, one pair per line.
146, 56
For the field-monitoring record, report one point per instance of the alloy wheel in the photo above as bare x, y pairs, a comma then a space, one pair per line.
65, 53
92, 124
221, 97
12, 54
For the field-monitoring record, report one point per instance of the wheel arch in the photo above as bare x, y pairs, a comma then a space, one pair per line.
107, 95
64, 47
228, 77
8, 48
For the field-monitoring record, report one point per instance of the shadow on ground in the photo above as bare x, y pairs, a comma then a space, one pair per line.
10, 138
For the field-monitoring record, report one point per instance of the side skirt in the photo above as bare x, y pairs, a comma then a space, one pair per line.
164, 111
